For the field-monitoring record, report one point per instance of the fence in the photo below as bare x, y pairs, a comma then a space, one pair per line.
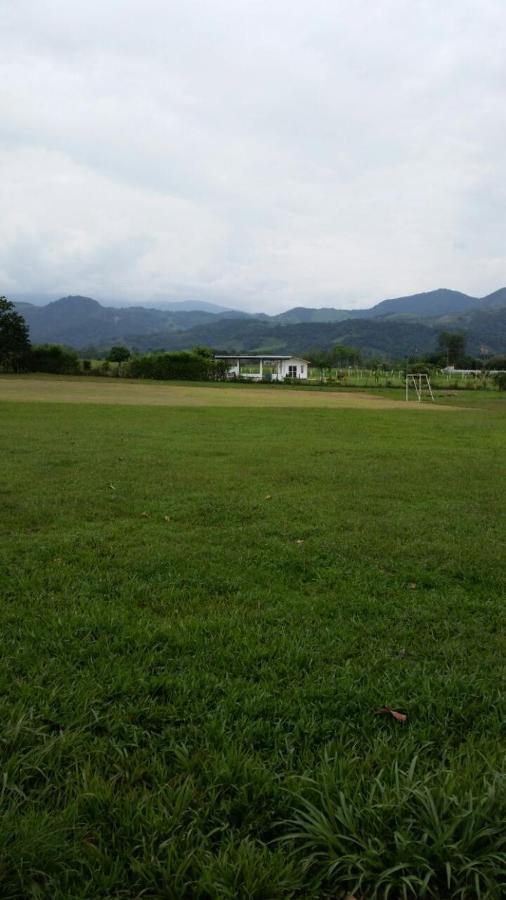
396, 378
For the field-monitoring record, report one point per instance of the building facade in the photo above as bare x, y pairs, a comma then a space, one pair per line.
269, 367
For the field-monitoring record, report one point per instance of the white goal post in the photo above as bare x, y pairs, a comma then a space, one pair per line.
420, 382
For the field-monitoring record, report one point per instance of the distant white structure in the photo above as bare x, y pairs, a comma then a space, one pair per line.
277, 368
451, 370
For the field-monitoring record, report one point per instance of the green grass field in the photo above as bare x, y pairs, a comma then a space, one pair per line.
202, 608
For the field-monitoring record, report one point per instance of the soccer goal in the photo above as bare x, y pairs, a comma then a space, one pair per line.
420, 383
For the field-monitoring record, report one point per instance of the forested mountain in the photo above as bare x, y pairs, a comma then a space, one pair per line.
485, 329
380, 338
497, 299
433, 303
80, 321
300, 314
419, 306
395, 338
393, 328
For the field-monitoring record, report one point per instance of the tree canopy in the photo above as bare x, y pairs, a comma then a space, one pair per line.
346, 356
14, 338
453, 345
118, 354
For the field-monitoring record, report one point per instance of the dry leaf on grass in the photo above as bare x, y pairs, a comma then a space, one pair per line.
388, 711
166, 518
145, 515
412, 585
268, 497
300, 541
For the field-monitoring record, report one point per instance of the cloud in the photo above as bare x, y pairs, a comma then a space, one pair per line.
257, 153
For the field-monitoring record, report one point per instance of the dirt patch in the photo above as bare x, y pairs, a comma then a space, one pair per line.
127, 393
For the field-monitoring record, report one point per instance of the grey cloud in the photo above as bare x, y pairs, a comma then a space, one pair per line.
261, 154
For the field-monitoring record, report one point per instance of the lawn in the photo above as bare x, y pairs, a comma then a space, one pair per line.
203, 607
129, 392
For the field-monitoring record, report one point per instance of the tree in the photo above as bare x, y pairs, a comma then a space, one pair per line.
452, 344
496, 362
14, 339
206, 352
321, 360
118, 354
347, 356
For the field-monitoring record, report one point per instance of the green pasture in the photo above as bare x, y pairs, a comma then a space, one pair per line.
203, 608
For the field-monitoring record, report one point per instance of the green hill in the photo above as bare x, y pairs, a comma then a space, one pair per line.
393, 328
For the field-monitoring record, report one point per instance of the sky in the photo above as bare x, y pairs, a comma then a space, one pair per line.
260, 154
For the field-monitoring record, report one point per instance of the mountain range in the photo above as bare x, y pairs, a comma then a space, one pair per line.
394, 327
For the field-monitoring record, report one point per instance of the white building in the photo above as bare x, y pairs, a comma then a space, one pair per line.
275, 368
451, 370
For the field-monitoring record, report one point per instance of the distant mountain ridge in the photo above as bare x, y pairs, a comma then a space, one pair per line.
381, 336
393, 327
441, 302
495, 300
433, 303
81, 321
190, 306
35, 298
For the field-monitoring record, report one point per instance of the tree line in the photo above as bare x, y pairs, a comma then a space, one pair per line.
17, 354
450, 351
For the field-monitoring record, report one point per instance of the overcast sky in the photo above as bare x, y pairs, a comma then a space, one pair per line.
258, 153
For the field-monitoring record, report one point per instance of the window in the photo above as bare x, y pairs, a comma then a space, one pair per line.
292, 371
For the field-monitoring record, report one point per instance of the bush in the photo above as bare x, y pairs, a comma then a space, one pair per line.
52, 358
182, 365
500, 381
496, 362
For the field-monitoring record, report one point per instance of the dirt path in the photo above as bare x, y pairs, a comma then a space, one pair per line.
55, 389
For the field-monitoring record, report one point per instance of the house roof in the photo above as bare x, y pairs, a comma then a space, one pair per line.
272, 356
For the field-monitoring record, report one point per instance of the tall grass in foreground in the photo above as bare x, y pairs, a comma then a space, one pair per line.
398, 833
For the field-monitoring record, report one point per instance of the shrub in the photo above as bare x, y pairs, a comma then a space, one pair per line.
183, 365
52, 358
496, 362
500, 380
